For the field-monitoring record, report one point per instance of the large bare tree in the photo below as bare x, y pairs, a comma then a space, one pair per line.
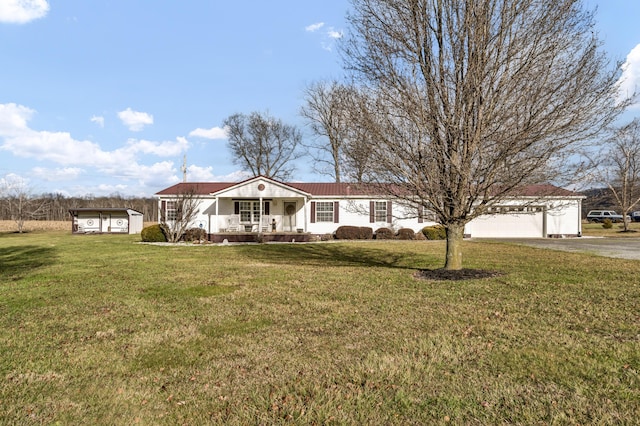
263, 145
475, 99
341, 148
325, 113
621, 161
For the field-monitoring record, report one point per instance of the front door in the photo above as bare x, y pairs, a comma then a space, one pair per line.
106, 223
289, 216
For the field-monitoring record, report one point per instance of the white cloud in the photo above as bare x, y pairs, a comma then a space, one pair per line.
77, 155
12, 182
331, 33
66, 173
22, 11
13, 119
328, 36
98, 120
314, 27
630, 79
161, 149
135, 120
200, 174
213, 133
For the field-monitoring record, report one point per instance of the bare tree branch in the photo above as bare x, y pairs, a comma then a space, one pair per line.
263, 145
178, 214
472, 100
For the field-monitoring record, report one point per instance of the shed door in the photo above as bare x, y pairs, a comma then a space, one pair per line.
106, 223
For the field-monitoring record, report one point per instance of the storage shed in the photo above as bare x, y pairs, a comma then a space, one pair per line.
106, 221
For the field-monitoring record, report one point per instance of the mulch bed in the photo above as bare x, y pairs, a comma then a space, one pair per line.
459, 275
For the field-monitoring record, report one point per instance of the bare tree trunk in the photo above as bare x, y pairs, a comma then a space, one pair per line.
472, 101
455, 236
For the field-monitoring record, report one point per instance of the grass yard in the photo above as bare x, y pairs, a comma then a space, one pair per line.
617, 231
99, 329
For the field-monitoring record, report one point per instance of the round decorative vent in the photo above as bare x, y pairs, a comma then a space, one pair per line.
261, 187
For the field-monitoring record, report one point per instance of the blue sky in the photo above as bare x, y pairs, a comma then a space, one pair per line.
106, 96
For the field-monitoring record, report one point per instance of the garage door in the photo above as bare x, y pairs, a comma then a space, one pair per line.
508, 225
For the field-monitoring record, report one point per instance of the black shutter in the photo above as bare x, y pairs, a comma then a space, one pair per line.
336, 212
236, 207
313, 212
389, 212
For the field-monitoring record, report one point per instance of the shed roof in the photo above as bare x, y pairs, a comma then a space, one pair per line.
105, 209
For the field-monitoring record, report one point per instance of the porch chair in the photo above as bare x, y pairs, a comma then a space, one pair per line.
265, 223
234, 224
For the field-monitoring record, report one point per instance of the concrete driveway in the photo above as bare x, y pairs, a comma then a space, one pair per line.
623, 248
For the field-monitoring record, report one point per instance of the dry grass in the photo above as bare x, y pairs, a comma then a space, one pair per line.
35, 225
617, 231
42, 225
101, 330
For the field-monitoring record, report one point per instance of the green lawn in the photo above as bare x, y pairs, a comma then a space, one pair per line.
104, 330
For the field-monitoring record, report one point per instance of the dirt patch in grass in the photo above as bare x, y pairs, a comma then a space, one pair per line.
441, 274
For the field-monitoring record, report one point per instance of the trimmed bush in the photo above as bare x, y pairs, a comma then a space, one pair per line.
153, 234
365, 233
195, 234
406, 234
354, 233
384, 234
607, 224
435, 232
326, 237
347, 233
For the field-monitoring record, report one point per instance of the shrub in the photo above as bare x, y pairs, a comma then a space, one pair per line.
406, 234
435, 232
354, 233
347, 233
607, 224
326, 237
384, 234
153, 234
365, 233
195, 234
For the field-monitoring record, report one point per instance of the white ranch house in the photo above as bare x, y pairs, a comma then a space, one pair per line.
263, 205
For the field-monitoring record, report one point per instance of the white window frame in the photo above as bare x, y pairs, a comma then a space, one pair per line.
171, 211
324, 211
380, 211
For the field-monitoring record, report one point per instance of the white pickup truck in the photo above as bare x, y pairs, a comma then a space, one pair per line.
601, 215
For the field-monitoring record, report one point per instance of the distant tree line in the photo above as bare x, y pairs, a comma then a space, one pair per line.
55, 207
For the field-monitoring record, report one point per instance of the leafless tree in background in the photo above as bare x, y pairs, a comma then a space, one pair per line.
326, 114
342, 148
475, 99
621, 161
19, 202
263, 145
176, 215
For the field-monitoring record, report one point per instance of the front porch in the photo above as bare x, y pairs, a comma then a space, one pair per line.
260, 237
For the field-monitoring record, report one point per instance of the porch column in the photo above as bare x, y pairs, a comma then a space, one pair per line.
304, 199
217, 227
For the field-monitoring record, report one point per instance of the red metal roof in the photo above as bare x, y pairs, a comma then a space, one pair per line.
343, 189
